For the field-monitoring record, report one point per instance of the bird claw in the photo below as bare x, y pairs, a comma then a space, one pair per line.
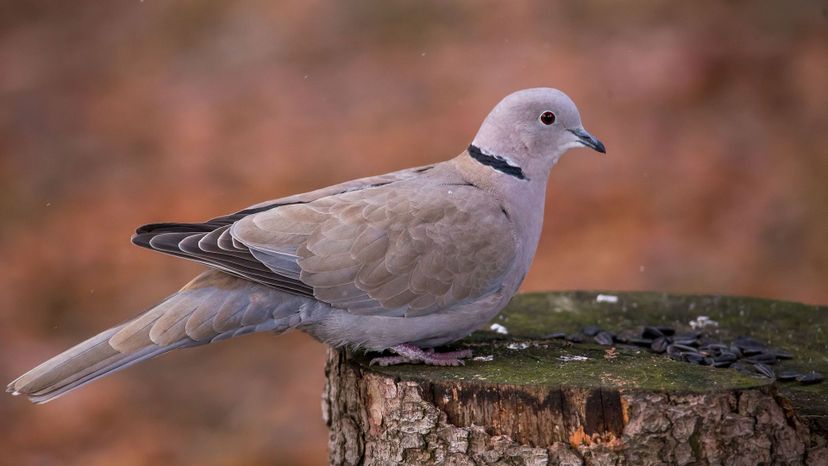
410, 354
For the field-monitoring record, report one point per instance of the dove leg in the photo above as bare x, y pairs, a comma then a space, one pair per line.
410, 354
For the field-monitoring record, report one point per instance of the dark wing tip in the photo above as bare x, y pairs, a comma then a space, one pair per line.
157, 228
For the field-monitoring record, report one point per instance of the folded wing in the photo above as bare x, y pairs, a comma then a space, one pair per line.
402, 249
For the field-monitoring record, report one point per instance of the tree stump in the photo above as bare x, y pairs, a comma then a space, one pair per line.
530, 399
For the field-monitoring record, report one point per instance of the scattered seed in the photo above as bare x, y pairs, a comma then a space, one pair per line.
685, 348
659, 345
667, 331
781, 354
603, 338
787, 376
651, 332
726, 356
643, 342
715, 347
809, 378
686, 341
761, 358
744, 354
749, 343
764, 370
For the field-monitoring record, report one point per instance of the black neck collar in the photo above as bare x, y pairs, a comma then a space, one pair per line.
495, 161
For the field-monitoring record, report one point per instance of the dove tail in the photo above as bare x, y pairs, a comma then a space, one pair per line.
80, 365
213, 307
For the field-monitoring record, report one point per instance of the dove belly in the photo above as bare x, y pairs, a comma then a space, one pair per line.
378, 332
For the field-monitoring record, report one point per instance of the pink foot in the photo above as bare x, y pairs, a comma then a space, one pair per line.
410, 354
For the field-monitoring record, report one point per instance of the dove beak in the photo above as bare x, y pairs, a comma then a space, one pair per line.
588, 140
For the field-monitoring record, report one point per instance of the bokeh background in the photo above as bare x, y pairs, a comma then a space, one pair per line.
118, 113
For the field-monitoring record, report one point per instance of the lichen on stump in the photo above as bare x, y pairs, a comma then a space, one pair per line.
542, 401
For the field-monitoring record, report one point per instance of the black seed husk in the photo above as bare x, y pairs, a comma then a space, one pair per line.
651, 332
659, 345
764, 370
787, 376
749, 343
685, 348
761, 358
809, 378
685, 341
591, 330
781, 354
604, 338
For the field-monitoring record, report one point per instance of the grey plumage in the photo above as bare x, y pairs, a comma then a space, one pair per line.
419, 257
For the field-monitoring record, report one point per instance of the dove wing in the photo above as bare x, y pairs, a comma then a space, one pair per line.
398, 249
401, 251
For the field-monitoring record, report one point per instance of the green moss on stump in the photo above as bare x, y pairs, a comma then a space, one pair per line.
798, 328
557, 364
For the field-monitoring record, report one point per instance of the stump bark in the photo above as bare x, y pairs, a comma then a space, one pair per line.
533, 400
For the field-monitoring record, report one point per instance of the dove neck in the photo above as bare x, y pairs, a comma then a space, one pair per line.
522, 200
499, 163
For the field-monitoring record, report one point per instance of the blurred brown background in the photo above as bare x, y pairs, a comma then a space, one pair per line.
118, 113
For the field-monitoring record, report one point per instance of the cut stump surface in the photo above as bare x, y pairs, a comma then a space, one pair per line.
529, 399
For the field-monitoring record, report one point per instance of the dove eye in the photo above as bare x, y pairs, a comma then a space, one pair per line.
547, 118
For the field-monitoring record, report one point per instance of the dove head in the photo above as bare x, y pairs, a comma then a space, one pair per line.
529, 130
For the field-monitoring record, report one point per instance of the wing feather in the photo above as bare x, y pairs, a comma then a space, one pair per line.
403, 249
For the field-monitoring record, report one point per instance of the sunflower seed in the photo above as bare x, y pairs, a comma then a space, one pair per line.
576, 338
749, 343
726, 357
688, 349
651, 332
685, 341
809, 378
659, 345
644, 342
764, 370
787, 376
761, 358
604, 338
781, 354
714, 349
590, 330
555, 336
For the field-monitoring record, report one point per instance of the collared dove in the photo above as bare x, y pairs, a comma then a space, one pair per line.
406, 261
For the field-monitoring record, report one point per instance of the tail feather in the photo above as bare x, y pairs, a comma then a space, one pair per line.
161, 329
66, 372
